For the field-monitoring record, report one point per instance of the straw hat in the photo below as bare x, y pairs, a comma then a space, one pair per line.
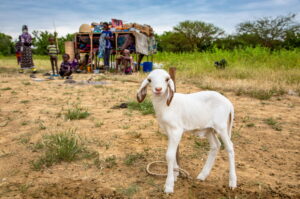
85, 28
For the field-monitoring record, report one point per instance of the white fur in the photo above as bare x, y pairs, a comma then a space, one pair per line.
208, 113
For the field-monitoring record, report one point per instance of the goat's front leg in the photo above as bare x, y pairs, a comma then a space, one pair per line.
173, 141
176, 164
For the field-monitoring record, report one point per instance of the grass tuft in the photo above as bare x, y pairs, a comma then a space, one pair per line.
129, 191
145, 107
273, 123
65, 146
130, 159
77, 113
6, 89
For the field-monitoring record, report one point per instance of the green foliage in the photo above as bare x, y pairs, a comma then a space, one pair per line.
189, 36
273, 123
5, 89
41, 41
111, 161
198, 34
129, 191
269, 32
65, 146
130, 159
145, 107
174, 42
77, 113
6, 44
261, 94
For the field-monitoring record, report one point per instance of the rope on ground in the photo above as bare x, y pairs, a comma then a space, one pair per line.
182, 172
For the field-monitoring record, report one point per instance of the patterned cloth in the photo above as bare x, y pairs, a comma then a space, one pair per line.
107, 33
52, 50
26, 59
75, 64
18, 52
65, 66
104, 43
101, 46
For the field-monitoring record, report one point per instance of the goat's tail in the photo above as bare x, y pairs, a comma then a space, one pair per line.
230, 121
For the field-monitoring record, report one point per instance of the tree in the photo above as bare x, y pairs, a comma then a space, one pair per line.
6, 44
199, 34
174, 42
267, 31
41, 41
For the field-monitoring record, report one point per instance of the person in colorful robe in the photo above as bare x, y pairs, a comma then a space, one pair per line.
26, 59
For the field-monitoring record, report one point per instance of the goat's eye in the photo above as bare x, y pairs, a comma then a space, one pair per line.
167, 79
149, 80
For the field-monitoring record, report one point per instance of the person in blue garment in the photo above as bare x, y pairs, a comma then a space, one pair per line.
106, 44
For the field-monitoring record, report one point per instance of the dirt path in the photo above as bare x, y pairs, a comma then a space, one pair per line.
265, 136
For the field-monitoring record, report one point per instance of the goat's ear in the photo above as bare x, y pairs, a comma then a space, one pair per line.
142, 92
171, 89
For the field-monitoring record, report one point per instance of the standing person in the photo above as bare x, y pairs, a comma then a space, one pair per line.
108, 36
26, 59
53, 53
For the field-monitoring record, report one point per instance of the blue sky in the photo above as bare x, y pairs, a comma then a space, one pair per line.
161, 15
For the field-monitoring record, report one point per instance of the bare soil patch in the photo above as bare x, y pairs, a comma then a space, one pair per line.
267, 157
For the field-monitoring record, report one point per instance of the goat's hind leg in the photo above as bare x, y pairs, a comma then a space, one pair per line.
229, 147
214, 148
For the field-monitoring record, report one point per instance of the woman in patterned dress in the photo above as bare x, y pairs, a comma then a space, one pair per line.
26, 59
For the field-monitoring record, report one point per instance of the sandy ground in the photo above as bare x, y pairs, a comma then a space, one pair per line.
267, 160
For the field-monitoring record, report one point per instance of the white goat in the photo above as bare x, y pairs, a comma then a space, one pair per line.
207, 113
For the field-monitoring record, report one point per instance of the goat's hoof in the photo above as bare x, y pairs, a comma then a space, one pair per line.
232, 184
169, 189
201, 177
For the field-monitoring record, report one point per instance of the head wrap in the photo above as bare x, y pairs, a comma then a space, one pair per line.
24, 27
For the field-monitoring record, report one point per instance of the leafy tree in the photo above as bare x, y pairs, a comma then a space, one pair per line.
6, 44
41, 41
174, 42
229, 42
198, 34
267, 31
292, 40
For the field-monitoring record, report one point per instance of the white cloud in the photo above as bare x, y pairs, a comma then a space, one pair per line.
161, 15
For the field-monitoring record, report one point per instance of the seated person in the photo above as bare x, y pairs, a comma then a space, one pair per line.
126, 61
66, 67
76, 63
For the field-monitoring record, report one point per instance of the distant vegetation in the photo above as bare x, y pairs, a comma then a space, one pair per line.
281, 32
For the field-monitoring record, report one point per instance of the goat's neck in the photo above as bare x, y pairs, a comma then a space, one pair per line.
159, 103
